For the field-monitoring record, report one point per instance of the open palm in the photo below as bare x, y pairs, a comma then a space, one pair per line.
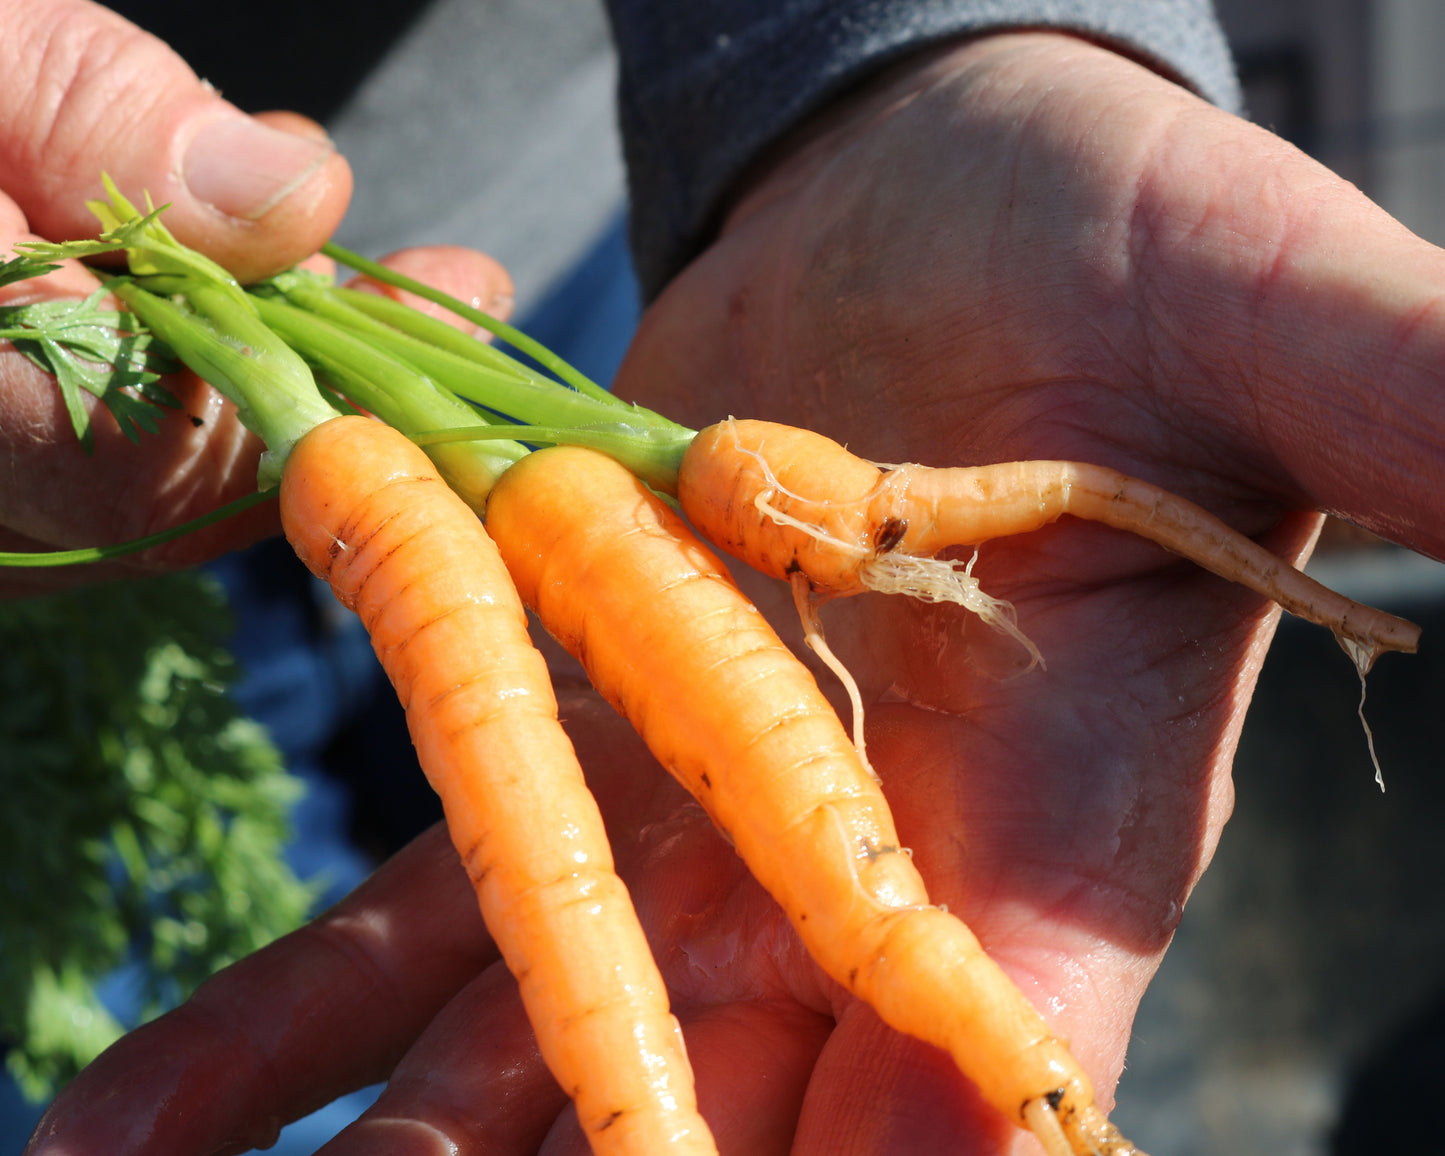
1020, 247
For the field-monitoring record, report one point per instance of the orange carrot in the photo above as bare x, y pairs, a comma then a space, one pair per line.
367, 512
787, 500
668, 638
796, 500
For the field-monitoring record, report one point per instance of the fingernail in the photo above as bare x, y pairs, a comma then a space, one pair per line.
245, 168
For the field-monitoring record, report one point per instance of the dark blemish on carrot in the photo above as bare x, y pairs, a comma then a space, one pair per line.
477, 866
607, 1123
889, 534
872, 850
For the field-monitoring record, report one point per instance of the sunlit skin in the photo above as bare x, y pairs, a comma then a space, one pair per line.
76, 76
1017, 247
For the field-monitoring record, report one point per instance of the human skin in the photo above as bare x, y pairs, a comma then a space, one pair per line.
1021, 246
86, 93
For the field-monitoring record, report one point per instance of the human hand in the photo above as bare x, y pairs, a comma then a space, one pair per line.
87, 93
1020, 247
1027, 247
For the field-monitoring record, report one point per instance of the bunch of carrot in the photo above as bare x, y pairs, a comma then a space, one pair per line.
398, 538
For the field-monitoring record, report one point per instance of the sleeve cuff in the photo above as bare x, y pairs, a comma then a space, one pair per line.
707, 85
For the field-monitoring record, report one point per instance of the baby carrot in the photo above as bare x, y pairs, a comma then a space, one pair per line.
670, 641
788, 500
752, 739
785, 499
367, 511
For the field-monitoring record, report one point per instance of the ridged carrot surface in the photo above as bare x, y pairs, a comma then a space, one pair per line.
782, 498
668, 638
368, 513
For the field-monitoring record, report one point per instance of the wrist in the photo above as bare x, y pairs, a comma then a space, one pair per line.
986, 66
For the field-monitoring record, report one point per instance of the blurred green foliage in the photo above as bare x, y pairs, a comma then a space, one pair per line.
145, 817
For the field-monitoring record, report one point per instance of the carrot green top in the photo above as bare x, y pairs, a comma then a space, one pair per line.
293, 351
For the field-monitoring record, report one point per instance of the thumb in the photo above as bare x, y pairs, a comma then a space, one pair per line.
87, 92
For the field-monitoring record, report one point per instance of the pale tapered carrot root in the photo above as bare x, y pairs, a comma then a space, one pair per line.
367, 512
795, 500
667, 637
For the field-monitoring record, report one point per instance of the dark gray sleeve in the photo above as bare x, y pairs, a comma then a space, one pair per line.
706, 85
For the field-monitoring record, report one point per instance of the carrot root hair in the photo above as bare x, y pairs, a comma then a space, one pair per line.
943, 580
1083, 1131
925, 578
806, 600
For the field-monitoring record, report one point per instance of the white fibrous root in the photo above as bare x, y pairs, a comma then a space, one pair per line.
927, 579
806, 601
889, 572
764, 504
1364, 658
938, 580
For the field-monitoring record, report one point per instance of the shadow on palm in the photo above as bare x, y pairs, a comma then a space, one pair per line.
1028, 248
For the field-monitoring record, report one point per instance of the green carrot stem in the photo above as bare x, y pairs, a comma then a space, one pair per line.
510, 391
30, 559
397, 315
654, 455
396, 392
513, 337
374, 313
226, 343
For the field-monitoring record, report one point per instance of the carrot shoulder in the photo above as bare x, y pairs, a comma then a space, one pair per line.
667, 637
368, 513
